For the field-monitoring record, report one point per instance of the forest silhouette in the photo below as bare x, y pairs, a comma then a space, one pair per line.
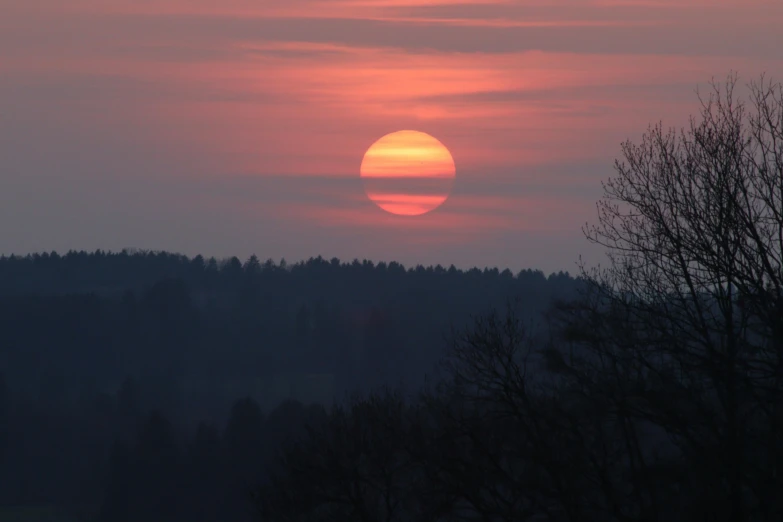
143, 386
117, 365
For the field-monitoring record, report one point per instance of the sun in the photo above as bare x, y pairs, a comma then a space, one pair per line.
408, 173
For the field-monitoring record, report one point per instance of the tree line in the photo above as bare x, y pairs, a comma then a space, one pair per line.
110, 360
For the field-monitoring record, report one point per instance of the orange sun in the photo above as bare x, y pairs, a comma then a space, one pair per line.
408, 173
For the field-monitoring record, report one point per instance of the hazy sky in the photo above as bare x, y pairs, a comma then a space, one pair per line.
234, 127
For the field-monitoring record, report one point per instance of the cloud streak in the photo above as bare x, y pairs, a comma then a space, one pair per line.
690, 35
217, 126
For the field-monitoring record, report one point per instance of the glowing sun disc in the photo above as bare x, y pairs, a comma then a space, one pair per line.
408, 173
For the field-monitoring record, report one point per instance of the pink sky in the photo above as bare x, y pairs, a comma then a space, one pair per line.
238, 127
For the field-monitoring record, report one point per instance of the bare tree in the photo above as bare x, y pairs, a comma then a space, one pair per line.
538, 444
681, 333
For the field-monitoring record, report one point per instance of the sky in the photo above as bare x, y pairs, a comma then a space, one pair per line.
238, 127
